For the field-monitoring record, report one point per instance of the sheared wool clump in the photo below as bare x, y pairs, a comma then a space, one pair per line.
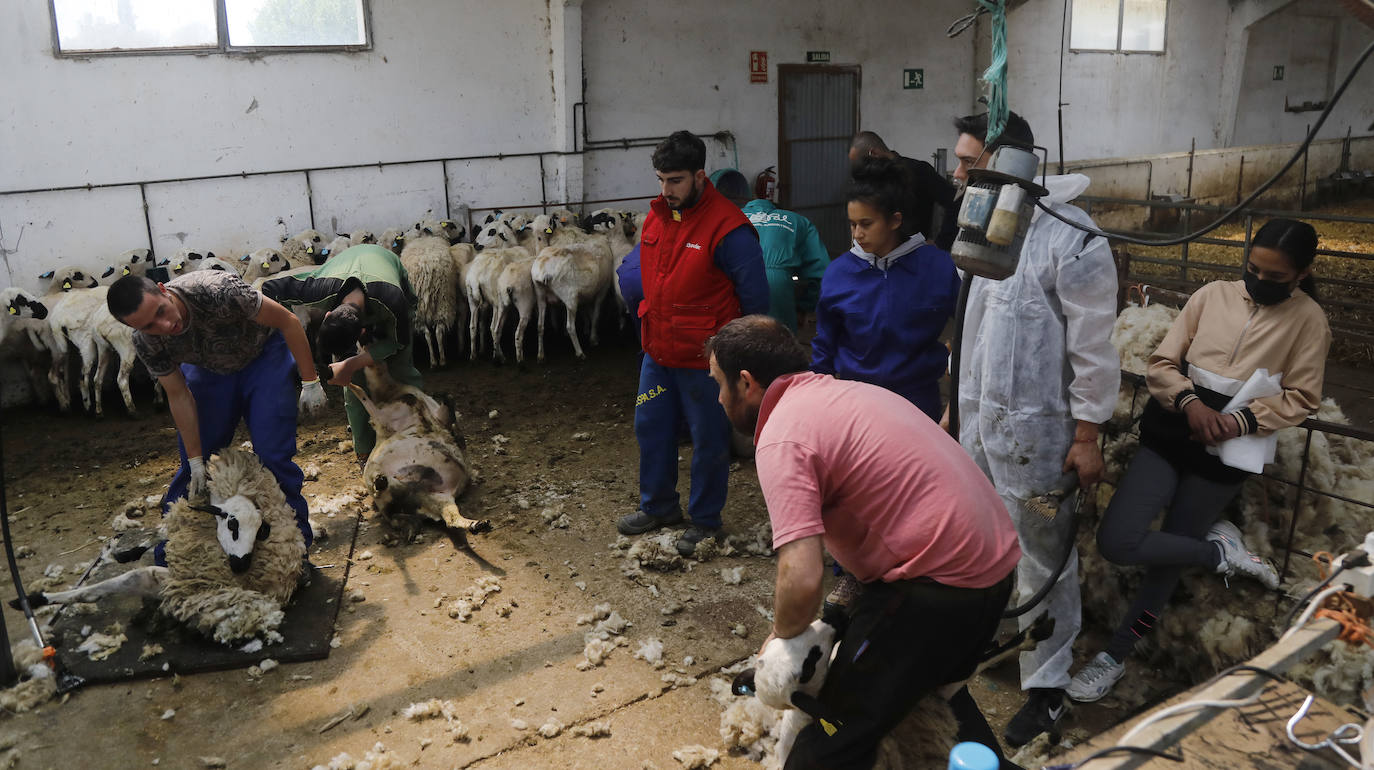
99, 646
598, 612
757, 541
595, 653
651, 651
732, 576
658, 553
675, 680
555, 517
474, 597
593, 730
551, 728
122, 523
36, 685
712, 547
696, 756
431, 709
1138, 331
377, 758
747, 724
149, 652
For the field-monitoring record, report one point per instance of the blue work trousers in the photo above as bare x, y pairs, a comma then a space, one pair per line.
667, 396
263, 395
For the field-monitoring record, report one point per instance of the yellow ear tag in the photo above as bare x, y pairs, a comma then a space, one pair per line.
13, 311
548, 231
266, 265
126, 271
828, 728
66, 285
309, 249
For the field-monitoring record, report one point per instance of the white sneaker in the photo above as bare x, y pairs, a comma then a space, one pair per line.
1095, 679
1235, 558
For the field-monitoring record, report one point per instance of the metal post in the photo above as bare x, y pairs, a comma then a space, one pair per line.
1297, 496
443, 166
1302, 189
543, 189
147, 221
1240, 178
310, 199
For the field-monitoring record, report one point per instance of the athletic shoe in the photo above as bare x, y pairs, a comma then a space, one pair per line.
687, 544
1041, 714
1095, 679
639, 522
1235, 558
847, 588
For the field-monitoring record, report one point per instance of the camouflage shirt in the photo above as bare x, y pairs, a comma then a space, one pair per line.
220, 333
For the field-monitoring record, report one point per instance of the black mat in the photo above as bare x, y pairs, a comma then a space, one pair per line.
307, 628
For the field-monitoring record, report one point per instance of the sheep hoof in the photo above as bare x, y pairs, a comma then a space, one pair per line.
478, 527
36, 599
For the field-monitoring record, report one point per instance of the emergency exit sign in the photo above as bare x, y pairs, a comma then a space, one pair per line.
914, 78
817, 57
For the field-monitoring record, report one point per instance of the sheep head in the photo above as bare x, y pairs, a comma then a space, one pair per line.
21, 305
238, 527
789, 667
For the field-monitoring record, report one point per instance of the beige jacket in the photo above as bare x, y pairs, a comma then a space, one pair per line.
1224, 336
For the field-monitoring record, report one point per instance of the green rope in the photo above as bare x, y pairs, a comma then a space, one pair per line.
995, 77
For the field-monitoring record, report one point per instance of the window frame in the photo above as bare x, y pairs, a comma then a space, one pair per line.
1120, 24
221, 46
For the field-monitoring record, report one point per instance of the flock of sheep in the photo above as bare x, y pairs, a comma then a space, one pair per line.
516, 263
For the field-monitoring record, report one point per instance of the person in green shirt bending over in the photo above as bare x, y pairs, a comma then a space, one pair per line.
369, 310
793, 255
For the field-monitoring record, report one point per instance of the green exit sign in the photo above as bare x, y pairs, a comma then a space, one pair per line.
817, 57
914, 78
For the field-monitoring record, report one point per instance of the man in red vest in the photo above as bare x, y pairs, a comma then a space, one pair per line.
702, 267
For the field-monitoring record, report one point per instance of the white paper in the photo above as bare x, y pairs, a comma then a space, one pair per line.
1252, 451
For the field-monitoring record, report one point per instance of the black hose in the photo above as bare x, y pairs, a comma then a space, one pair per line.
9, 670
1302, 148
954, 353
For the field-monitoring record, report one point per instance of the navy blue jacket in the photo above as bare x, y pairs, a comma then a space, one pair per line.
882, 326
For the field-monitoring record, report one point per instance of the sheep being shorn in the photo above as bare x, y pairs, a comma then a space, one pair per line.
231, 565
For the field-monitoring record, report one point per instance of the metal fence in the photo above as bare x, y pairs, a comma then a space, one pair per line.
1349, 315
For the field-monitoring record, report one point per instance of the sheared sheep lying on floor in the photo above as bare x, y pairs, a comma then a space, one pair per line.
231, 565
789, 675
418, 468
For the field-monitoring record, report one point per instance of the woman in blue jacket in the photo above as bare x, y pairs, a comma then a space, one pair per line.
884, 302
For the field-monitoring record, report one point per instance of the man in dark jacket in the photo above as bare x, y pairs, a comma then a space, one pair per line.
701, 267
934, 214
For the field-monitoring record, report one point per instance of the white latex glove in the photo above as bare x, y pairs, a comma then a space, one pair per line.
312, 398
198, 489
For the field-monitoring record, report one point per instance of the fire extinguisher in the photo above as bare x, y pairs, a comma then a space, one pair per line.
766, 184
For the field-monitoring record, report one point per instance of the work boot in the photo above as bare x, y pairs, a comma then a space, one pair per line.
687, 544
846, 589
1041, 714
639, 522
1236, 558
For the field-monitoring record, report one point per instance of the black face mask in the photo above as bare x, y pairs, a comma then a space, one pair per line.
1266, 292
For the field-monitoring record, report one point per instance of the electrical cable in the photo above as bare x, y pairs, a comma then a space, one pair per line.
1356, 558
1117, 750
1311, 608
1311, 134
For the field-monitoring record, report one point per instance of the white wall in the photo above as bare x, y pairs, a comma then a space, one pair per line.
1117, 104
657, 67
1279, 40
1213, 83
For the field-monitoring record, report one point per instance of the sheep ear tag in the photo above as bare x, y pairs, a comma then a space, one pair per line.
14, 310
127, 271
829, 728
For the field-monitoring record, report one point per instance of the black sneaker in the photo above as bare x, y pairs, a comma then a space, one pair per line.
687, 544
1041, 714
639, 522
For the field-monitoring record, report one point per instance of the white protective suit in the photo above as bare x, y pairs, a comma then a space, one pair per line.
1036, 357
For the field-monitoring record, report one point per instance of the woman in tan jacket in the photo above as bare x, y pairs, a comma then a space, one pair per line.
1265, 334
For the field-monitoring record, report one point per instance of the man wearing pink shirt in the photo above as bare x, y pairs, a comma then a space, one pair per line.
858, 470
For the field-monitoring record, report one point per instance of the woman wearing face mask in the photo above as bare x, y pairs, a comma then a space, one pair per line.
884, 302
1227, 331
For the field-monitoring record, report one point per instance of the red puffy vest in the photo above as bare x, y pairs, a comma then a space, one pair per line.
686, 297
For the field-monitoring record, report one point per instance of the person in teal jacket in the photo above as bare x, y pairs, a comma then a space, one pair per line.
793, 255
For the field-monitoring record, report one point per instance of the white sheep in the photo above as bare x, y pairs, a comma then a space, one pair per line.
64, 279
231, 565
131, 262
26, 337
434, 275
497, 235
789, 675
361, 236
575, 275
266, 262
514, 289
479, 285
394, 239
80, 320
303, 248
613, 225
334, 248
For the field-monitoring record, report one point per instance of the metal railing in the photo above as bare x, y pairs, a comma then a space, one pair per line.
1343, 325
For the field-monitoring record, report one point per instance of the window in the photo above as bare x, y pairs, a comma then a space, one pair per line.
85, 27
1131, 26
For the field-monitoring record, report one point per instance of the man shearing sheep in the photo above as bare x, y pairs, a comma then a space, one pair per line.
223, 352
859, 471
